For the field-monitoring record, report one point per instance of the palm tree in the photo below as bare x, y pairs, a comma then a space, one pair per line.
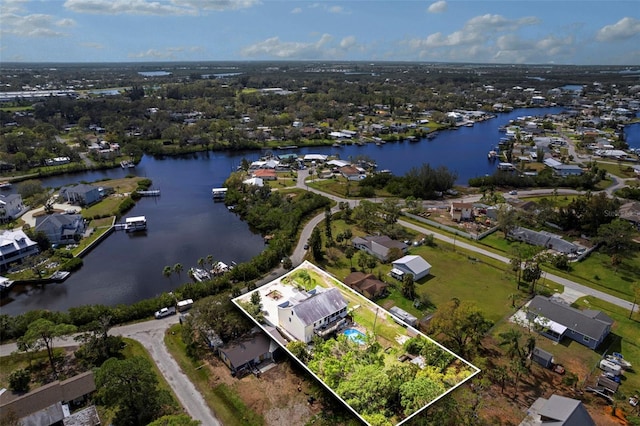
177, 268
201, 262
209, 261
167, 271
511, 339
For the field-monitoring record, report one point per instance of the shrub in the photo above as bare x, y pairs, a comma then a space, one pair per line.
72, 264
19, 380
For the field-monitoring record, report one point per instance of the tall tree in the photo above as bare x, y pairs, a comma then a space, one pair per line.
460, 325
167, 271
507, 219
315, 242
42, 332
511, 339
408, 286
131, 386
327, 226
617, 239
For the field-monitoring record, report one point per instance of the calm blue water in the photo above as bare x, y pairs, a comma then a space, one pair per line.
185, 224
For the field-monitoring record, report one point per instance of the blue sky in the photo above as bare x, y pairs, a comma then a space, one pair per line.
512, 31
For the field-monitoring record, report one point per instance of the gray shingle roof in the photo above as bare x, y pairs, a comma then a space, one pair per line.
559, 411
414, 263
320, 306
588, 322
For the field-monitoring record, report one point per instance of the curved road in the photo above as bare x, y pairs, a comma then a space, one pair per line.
151, 335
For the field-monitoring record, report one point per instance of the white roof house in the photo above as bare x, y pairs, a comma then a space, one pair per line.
256, 181
315, 313
411, 264
315, 157
15, 246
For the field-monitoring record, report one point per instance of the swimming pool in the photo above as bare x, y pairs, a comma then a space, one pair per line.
355, 336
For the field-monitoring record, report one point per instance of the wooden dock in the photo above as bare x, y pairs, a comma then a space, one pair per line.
151, 193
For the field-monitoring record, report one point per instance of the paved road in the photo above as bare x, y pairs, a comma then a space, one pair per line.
303, 174
151, 335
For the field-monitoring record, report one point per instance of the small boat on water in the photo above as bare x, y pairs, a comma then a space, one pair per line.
492, 155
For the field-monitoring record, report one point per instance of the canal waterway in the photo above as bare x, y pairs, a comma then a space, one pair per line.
184, 223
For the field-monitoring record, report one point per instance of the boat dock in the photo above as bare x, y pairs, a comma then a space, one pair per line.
151, 193
132, 224
218, 193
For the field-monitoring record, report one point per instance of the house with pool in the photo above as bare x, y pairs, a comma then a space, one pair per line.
319, 322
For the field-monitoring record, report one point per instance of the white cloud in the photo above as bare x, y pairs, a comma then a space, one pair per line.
336, 9
296, 10
66, 22
325, 47
92, 45
132, 7
12, 6
437, 7
623, 29
219, 5
168, 53
35, 25
348, 42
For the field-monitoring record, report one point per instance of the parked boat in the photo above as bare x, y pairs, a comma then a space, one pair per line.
199, 274
218, 193
135, 223
492, 155
617, 358
127, 164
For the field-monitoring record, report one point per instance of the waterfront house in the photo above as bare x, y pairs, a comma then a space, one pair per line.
378, 245
50, 404
81, 194
410, 264
61, 228
10, 207
557, 320
557, 411
244, 353
254, 181
461, 211
265, 174
317, 312
366, 284
15, 246
351, 173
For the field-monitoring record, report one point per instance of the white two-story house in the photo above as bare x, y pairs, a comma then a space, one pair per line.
318, 312
10, 207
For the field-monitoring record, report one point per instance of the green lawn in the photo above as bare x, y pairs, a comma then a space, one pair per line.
596, 272
621, 170
554, 200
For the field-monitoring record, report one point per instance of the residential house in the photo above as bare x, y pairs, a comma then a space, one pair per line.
49, 404
378, 246
254, 181
61, 228
351, 173
81, 194
557, 411
244, 353
461, 211
15, 246
10, 207
557, 320
544, 239
410, 264
366, 284
57, 161
631, 213
565, 170
318, 312
265, 174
